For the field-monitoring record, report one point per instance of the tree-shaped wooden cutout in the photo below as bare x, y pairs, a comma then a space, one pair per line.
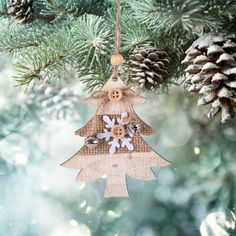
120, 150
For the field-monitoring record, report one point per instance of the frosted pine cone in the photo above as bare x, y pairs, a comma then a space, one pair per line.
211, 72
148, 66
21, 10
55, 103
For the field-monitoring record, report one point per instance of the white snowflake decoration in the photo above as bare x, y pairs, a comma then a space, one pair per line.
115, 142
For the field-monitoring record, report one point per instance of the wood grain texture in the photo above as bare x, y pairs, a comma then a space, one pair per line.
116, 186
116, 166
105, 106
121, 162
88, 175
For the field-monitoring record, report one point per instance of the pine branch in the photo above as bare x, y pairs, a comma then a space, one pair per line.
64, 8
17, 39
172, 16
96, 76
48, 11
221, 11
92, 40
44, 53
133, 33
228, 23
175, 48
180, 22
217, 6
225, 13
85, 43
46, 61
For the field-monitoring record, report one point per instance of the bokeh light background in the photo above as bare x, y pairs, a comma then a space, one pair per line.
194, 196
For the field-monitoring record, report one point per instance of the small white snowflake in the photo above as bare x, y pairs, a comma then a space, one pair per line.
113, 141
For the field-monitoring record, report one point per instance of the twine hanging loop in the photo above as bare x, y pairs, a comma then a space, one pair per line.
117, 59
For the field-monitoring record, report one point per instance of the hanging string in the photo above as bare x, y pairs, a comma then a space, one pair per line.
117, 39
118, 31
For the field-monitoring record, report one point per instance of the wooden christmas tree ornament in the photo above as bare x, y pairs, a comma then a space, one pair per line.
121, 150
113, 143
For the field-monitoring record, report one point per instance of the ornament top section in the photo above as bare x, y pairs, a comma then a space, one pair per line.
114, 98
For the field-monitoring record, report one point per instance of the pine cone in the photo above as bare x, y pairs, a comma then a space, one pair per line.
21, 10
211, 72
148, 66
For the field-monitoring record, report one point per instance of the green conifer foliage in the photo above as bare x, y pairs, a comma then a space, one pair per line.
80, 34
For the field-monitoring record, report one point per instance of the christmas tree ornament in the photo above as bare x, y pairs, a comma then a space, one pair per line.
21, 10
149, 66
211, 72
115, 148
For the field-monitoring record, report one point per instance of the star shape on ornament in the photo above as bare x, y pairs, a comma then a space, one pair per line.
117, 133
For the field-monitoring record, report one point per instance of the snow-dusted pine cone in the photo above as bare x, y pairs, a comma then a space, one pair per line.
211, 72
149, 66
55, 103
21, 10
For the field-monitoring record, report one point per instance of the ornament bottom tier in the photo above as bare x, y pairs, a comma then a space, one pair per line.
136, 165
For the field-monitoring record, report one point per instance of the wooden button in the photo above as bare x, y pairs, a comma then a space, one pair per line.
118, 132
115, 94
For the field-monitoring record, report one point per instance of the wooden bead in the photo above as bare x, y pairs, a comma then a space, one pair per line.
117, 60
115, 95
118, 131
